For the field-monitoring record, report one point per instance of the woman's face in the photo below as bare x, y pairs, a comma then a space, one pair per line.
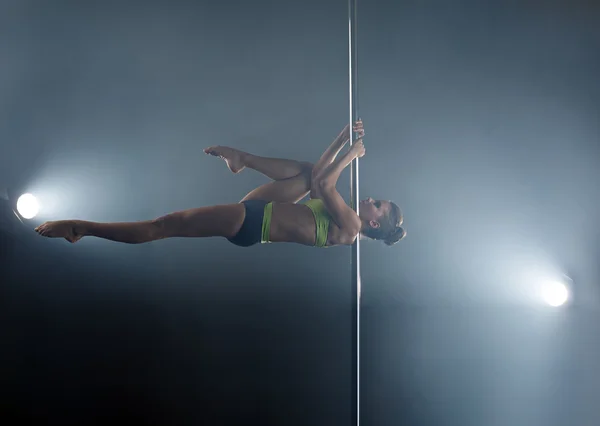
372, 210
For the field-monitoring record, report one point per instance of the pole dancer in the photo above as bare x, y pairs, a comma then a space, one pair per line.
270, 213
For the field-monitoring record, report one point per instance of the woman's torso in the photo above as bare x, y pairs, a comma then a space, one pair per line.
295, 223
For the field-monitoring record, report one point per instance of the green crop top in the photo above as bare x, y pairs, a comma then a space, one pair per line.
322, 219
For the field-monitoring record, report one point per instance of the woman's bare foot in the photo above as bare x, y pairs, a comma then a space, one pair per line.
70, 230
233, 157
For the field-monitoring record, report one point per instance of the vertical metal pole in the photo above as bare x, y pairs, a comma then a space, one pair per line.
353, 74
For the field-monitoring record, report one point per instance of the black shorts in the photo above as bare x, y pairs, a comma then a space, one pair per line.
251, 231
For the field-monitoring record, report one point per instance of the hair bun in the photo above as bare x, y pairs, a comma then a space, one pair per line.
395, 236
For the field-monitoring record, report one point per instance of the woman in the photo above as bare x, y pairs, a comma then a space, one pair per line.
269, 213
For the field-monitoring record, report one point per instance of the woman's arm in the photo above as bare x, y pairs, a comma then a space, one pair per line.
334, 149
331, 152
346, 218
340, 212
331, 174
318, 182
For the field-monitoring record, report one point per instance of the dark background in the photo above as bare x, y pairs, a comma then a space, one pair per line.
482, 122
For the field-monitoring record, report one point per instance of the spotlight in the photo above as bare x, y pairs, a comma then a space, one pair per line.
555, 293
27, 206
14, 213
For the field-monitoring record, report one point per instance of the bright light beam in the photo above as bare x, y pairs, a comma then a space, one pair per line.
28, 206
555, 293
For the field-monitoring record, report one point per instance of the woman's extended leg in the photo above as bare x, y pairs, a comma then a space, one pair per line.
291, 179
216, 221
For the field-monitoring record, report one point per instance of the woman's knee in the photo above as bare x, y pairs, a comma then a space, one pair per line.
307, 168
164, 226
307, 174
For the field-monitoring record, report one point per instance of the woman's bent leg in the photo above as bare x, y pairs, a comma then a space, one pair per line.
273, 168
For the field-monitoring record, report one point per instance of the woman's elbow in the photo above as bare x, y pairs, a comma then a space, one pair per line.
318, 184
318, 188
323, 183
349, 238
